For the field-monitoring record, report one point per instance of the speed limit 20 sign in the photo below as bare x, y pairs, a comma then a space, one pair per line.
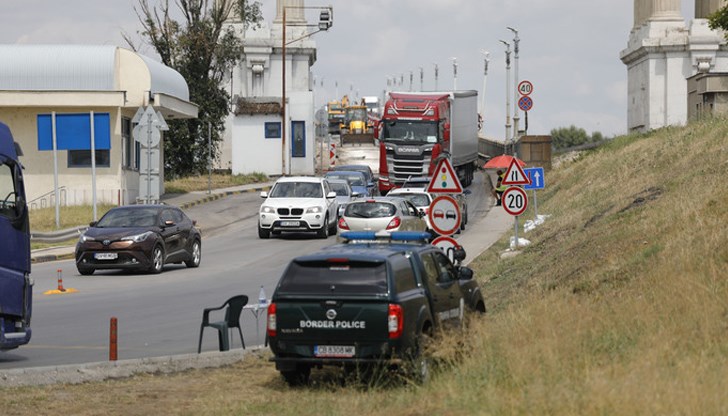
514, 200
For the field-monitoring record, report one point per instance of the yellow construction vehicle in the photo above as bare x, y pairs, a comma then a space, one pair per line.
335, 116
356, 127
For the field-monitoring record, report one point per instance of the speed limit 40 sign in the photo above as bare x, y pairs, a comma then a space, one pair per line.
525, 87
514, 200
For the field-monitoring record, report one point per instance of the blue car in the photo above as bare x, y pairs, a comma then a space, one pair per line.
357, 181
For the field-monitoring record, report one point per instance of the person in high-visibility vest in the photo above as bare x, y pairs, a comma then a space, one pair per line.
498, 190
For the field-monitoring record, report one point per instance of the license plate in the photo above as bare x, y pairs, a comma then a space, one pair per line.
334, 350
290, 223
105, 256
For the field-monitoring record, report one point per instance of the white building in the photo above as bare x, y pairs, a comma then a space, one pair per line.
662, 52
253, 139
75, 80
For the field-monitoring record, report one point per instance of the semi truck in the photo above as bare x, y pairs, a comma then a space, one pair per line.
419, 128
16, 287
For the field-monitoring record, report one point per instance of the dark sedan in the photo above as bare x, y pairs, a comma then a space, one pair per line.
139, 237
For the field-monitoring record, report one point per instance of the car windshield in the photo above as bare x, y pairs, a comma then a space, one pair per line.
370, 210
354, 180
134, 217
297, 190
340, 188
420, 200
340, 277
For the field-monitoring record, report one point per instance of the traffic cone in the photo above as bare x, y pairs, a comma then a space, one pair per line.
60, 280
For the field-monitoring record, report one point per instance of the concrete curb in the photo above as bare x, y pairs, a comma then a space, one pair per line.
99, 371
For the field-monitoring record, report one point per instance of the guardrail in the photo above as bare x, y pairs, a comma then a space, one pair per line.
57, 236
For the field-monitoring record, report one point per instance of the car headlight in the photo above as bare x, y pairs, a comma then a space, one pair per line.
314, 210
84, 238
138, 238
267, 210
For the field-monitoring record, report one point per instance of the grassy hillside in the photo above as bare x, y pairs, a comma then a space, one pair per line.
619, 306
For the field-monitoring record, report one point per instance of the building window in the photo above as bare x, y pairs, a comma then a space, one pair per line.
273, 130
82, 158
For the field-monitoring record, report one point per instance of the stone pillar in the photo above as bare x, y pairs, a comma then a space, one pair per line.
640, 12
703, 8
293, 15
665, 10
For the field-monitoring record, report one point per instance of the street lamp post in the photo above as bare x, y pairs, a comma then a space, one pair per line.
454, 74
436, 72
422, 79
486, 59
325, 22
516, 80
508, 91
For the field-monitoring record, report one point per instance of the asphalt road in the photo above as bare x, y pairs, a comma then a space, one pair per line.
160, 315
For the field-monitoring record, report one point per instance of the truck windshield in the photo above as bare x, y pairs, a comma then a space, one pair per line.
411, 132
335, 278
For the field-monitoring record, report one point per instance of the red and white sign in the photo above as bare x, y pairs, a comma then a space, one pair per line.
525, 87
444, 215
447, 245
514, 200
515, 175
444, 180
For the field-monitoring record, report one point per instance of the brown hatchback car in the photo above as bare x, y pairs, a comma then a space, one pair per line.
140, 237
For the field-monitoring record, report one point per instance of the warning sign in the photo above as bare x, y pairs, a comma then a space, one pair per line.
515, 175
444, 180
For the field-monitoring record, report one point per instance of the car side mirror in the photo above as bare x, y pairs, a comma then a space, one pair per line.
355, 194
168, 223
465, 273
467, 192
459, 254
331, 195
264, 194
92, 223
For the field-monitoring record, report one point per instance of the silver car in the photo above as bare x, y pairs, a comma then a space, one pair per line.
381, 214
344, 193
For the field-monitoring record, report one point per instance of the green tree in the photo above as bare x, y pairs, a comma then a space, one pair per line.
202, 50
719, 19
564, 137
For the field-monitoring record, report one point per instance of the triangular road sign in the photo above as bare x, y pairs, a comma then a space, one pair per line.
515, 175
444, 180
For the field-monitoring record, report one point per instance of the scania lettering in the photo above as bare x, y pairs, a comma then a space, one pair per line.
418, 128
16, 287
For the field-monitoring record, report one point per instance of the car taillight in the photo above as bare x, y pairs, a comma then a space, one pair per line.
343, 225
395, 321
271, 325
394, 223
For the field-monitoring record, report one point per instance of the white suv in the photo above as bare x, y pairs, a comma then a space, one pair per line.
298, 204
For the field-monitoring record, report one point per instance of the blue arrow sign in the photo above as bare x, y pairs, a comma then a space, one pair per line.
537, 178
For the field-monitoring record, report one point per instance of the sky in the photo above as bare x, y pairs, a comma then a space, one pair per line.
569, 49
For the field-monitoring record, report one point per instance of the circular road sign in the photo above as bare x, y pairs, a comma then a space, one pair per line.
525, 87
525, 103
514, 200
447, 245
444, 215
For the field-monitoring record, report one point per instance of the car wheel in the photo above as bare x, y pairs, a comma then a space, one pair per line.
419, 363
297, 377
262, 232
332, 228
324, 231
86, 271
157, 260
196, 255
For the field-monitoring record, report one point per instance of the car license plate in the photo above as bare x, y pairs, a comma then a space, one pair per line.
105, 256
334, 350
290, 223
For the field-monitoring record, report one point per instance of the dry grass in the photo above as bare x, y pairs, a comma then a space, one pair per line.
216, 181
619, 306
44, 219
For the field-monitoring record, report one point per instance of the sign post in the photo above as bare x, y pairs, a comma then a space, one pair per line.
514, 200
536, 176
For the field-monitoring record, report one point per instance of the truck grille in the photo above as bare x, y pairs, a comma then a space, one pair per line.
402, 167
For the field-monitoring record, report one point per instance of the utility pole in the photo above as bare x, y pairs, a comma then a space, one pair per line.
516, 117
486, 59
508, 91
436, 72
454, 74
422, 79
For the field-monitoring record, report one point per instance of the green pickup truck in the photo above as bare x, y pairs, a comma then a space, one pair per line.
373, 300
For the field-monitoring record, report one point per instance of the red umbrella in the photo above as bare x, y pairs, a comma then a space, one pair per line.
502, 162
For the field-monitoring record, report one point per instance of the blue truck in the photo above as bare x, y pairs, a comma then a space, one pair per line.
16, 286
